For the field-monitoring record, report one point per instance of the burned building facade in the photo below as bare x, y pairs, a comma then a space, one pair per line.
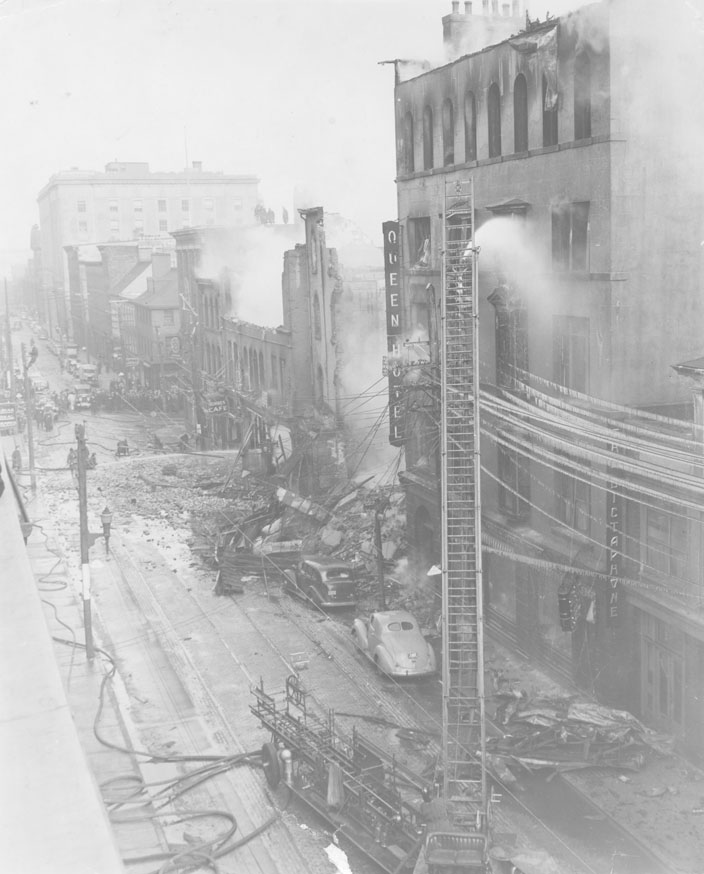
587, 218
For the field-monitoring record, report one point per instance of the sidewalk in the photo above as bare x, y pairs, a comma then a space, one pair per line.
656, 806
158, 703
52, 819
82, 682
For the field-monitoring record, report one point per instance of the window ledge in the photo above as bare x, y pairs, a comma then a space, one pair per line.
514, 156
564, 532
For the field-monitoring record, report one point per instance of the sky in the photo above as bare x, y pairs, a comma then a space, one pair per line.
288, 90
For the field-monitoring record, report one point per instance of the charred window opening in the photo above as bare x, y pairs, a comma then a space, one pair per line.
570, 236
317, 329
420, 322
408, 158
666, 542
549, 115
573, 500
520, 114
494, 120
448, 133
511, 338
428, 162
571, 352
470, 127
274, 373
514, 486
419, 241
582, 96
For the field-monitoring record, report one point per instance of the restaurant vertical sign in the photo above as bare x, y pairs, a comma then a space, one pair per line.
393, 331
614, 547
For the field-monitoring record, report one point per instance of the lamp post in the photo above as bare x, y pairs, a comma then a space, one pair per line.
106, 519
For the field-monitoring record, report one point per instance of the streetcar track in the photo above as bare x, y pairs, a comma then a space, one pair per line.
373, 697
404, 720
205, 702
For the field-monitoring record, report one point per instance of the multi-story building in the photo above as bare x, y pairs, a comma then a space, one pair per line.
126, 202
588, 215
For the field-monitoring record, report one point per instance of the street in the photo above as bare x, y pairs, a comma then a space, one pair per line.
188, 660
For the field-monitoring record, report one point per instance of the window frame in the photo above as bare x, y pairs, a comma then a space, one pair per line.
570, 234
520, 114
419, 235
571, 360
551, 132
448, 132
493, 120
582, 96
428, 138
572, 499
470, 126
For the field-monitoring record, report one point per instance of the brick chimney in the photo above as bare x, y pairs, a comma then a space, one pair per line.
469, 31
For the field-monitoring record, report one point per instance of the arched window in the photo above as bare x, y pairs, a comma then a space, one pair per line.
493, 106
262, 374
317, 330
470, 127
244, 369
408, 158
520, 114
549, 114
254, 369
428, 138
582, 96
235, 362
320, 384
448, 133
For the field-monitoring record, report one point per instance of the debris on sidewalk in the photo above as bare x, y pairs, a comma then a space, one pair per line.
565, 733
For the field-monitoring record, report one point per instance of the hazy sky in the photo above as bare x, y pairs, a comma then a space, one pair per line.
289, 90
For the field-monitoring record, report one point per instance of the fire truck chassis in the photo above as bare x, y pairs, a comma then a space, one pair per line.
358, 789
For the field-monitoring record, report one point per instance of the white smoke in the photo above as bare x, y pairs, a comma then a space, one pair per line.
252, 258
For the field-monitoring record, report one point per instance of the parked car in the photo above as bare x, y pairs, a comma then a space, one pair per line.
88, 373
325, 582
38, 380
393, 641
84, 396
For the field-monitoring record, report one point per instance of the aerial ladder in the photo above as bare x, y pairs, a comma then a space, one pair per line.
461, 842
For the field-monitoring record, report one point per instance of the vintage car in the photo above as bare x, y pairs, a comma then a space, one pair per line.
84, 395
393, 641
323, 581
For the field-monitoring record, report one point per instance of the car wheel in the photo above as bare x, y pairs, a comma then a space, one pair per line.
271, 765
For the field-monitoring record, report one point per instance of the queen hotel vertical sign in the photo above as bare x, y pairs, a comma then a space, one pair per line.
393, 331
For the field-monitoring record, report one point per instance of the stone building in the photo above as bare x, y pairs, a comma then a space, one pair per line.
126, 202
588, 215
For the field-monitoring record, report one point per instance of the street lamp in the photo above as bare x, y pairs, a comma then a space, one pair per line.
106, 519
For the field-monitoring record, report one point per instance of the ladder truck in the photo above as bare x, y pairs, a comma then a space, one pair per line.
461, 842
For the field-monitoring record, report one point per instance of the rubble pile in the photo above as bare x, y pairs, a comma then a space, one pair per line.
567, 733
187, 492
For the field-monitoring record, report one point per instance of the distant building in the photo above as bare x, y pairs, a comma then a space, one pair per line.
127, 202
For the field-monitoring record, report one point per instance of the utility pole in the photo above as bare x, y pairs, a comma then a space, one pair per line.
29, 413
8, 343
378, 515
83, 513
160, 353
